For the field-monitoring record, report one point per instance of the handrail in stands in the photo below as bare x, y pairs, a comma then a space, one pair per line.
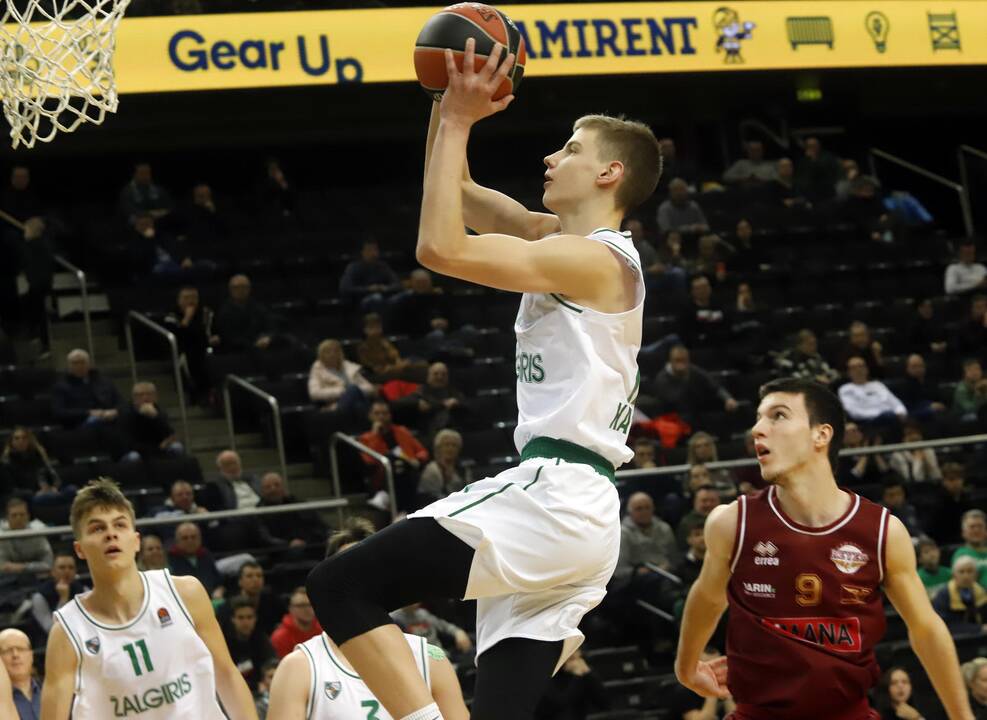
196, 518
961, 152
655, 610
80, 276
272, 403
382, 459
846, 452
169, 337
929, 175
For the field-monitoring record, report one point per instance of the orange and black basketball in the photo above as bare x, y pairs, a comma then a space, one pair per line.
450, 28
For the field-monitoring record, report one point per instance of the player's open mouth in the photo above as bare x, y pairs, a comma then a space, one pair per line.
762, 452
113, 551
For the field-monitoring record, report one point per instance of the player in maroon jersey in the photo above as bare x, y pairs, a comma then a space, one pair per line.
802, 565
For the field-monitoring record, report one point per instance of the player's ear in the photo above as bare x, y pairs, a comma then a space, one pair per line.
78, 550
611, 173
822, 434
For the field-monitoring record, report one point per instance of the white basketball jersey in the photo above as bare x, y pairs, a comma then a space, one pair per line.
577, 375
154, 667
336, 693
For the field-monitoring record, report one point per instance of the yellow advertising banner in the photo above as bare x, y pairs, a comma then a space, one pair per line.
205, 52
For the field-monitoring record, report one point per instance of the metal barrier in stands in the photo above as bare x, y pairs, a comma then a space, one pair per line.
958, 188
80, 276
961, 152
196, 518
175, 365
846, 452
272, 402
382, 459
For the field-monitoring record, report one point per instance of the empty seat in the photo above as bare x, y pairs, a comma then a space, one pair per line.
25, 411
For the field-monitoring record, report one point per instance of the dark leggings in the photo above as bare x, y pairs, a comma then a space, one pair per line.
353, 592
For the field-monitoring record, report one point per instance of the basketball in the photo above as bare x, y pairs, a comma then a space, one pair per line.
450, 28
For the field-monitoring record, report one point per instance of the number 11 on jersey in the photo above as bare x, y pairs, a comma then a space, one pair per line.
136, 661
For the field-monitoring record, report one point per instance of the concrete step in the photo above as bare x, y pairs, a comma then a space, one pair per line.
103, 346
220, 441
310, 488
71, 305
64, 329
255, 460
300, 470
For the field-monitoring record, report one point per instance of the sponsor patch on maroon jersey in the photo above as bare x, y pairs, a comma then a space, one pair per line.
831, 633
854, 595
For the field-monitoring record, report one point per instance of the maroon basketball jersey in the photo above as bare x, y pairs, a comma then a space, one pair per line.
805, 611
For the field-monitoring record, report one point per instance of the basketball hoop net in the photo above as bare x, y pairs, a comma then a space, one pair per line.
56, 65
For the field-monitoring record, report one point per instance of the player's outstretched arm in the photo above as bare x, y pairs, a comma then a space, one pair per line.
59, 686
927, 633
290, 688
230, 685
489, 211
706, 602
446, 692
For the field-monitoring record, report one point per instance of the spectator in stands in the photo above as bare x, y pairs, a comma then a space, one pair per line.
860, 344
664, 267
710, 260
179, 503
267, 608
919, 465
869, 402
674, 165
232, 488
971, 335
189, 557
975, 675
298, 625
679, 212
702, 450
962, 604
783, 189
339, 384
146, 426
966, 274
691, 563
971, 391
143, 195
974, 528
59, 589
25, 468
249, 646
644, 540
850, 170
18, 659
242, 323
687, 705
894, 695
919, 394
805, 362
293, 529
933, 575
154, 252
420, 308
152, 555
82, 396
19, 199
38, 266
437, 404
369, 281
28, 556
861, 469
378, 354
817, 171
703, 501
754, 169
952, 505
894, 499
748, 256
644, 454
864, 208
276, 196
444, 474
192, 323
416, 620
686, 389
406, 453
573, 693
927, 332
262, 695
703, 321
204, 223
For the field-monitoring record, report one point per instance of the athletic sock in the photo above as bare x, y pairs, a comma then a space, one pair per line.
429, 712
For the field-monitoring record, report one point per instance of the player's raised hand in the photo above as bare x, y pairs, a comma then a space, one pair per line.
709, 679
469, 95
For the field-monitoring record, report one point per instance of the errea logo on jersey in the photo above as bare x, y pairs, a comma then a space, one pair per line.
848, 558
766, 554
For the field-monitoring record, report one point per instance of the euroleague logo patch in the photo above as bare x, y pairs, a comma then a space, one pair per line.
164, 617
848, 558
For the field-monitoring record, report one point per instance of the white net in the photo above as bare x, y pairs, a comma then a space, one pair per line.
56, 65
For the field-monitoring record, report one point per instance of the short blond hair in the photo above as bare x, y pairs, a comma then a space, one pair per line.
98, 494
633, 144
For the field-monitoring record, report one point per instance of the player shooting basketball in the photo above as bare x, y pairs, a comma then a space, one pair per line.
537, 544
802, 566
